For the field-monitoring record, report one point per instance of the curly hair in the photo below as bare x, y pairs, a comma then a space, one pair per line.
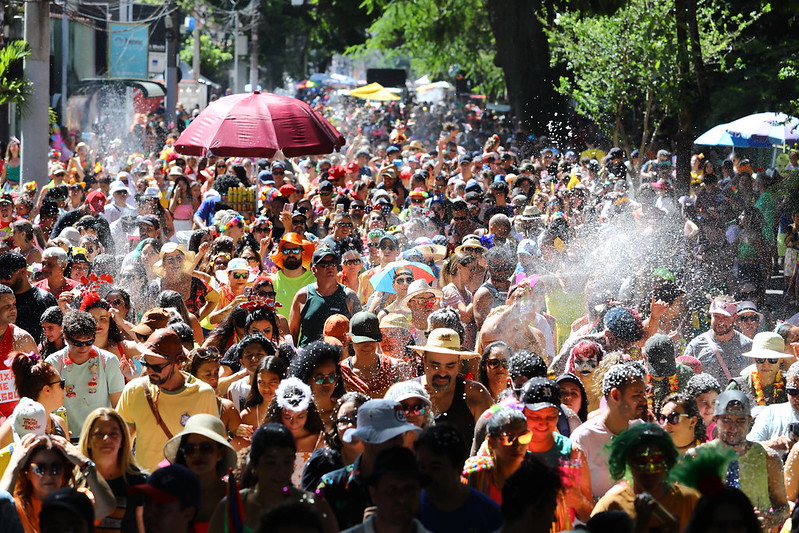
265, 343
79, 324
269, 316
313, 355
626, 442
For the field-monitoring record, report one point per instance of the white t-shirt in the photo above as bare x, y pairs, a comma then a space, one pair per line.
88, 385
772, 422
239, 390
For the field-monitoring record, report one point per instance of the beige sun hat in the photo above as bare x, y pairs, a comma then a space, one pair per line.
767, 344
208, 426
417, 287
444, 340
168, 248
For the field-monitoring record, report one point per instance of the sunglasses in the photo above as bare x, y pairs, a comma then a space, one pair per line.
266, 294
459, 219
373, 245
155, 368
320, 379
260, 229
62, 383
204, 448
344, 224
241, 275
388, 247
325, 264
350, 262
494, 364
792, 392
251, 259
403, 280
346, 421
507, 439
672, 418
418, 409
292, 251
80, 344
772, 360
749, 318
43, 469
472, 250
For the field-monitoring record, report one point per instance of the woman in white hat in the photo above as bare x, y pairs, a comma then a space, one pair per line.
233, 282
203, 448
765, 385
174, 270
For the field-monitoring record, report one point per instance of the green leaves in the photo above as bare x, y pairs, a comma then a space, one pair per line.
12, 89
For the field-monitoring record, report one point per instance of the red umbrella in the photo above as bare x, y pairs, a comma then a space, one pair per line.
257, 125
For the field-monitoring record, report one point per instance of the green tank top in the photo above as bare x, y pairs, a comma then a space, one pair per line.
317, 309
754, 476
566, 308
747, 251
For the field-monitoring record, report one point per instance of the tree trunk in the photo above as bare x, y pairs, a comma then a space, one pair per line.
523, 55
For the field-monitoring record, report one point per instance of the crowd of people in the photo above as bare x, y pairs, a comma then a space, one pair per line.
448, 326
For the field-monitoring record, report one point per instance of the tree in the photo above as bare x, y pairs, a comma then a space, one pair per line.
647, 62
214, 57
13, 89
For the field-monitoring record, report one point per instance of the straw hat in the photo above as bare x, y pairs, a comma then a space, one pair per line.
171, 247
471, 243
417, 287
436, 252
208, 426
444, 340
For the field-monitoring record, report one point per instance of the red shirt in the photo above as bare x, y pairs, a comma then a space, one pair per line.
68, 286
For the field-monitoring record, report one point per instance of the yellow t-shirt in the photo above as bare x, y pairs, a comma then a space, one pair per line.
679, 501
175, 408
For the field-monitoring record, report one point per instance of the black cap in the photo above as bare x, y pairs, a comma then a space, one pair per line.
321, 253
150, 220
465, 159
325, 186
169, 484
540, 393
399, 461
615, 152
659, 351
10, 262
77, 503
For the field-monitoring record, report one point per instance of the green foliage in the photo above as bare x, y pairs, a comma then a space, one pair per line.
436, 35
625, 66
214, 57
12, 89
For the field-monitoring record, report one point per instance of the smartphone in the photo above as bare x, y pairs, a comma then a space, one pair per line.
288, 207
397, 163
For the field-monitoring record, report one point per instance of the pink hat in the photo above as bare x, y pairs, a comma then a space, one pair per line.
720, 307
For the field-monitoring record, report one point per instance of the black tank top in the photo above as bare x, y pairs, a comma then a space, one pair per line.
458, 415
317, 309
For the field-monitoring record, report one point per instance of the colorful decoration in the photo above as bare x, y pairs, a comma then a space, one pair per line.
760, 397
674, 386
88, 289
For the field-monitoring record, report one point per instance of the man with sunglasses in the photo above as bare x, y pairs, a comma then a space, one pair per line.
157, 405
292, 257
541, 399
341, 237
757, 469
33, 301
314, 303
92, 376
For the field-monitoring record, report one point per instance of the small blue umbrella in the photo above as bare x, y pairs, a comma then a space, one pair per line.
719, 136
383, 280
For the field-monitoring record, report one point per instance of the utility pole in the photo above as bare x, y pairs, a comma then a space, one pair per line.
254, 48
236, 53
195, 56
36, 122
172, 34
64, 61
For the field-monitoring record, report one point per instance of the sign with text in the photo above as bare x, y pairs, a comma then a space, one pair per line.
127, 50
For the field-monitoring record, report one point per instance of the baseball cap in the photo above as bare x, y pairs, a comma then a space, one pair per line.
335, 328
540, 393
659, 350
720, 307
624, 324
70, 499
732, 402
287, 190
321, 253
29, 416
365, 327
163, 343
173, 483
325, 186
379, 421
405, 390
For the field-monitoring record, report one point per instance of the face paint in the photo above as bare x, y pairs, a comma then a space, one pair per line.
648, 460
585, 366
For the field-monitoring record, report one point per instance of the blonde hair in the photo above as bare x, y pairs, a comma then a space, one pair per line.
450, 266
125, 460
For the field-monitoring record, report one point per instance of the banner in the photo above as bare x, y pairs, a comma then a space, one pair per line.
127, 50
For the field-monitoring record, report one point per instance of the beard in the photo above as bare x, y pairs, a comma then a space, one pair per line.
292, 262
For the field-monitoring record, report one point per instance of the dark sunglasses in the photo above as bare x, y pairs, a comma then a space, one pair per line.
81, 344
344, 224
346, 421
42, 469
472, 250
671, 418
325, 264
350, 262
493, 364
266, 294
792, 392
204, 448
292, 251
389, 247
772, 360
749, 318
319, 379
241, 275
61, 382
155, 368
403, 280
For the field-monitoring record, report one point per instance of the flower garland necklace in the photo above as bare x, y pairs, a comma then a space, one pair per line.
760, 397
674, 386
